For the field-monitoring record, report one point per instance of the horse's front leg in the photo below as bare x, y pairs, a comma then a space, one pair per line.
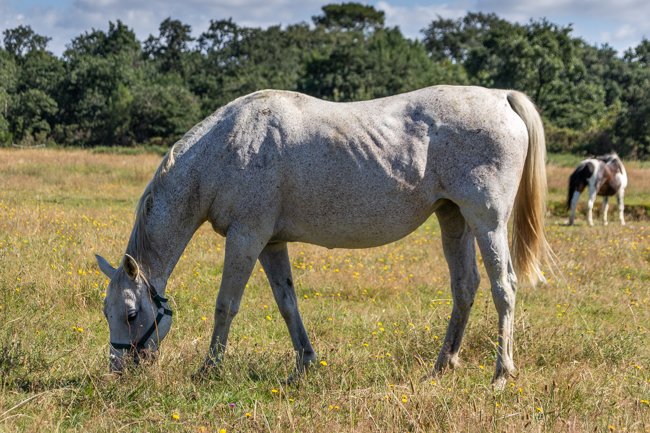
275, 260
242, 250
621, 206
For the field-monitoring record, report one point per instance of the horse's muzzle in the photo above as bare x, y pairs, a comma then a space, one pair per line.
120, 358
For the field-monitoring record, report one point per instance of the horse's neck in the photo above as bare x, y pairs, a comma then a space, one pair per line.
159, 240
617, 166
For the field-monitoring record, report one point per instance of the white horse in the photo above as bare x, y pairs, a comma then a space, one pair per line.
276, 167
605, 176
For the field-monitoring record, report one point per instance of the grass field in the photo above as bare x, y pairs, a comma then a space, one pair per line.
376, 317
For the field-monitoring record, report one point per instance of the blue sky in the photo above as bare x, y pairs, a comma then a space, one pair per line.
621, 24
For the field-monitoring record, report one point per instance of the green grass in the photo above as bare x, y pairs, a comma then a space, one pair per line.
377, 317
131, 150
571, 160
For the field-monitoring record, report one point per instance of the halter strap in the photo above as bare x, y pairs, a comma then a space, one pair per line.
162, 312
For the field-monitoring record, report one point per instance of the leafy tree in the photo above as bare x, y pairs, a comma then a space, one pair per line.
29, 105
632, 128
119, 39
8, 73
110, 89
448, 39
241, 60
162, 112
350, 17
41, 70
22, 40
102, 69
338, 72
357, 58
171, 46
31, 115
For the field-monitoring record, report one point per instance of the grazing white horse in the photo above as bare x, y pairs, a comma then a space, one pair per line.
276, 167
605, 176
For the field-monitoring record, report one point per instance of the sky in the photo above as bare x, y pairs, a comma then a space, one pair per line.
621, 24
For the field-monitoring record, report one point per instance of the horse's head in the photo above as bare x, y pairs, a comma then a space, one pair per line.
138, 317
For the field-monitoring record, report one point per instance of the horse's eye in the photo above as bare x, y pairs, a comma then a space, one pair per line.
131, 315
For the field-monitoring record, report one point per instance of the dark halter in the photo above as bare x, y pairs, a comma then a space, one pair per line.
162, 312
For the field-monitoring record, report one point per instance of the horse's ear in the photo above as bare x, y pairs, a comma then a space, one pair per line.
131, 267
105, 267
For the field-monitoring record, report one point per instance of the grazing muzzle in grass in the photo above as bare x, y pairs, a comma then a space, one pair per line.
122, 358
138, 316
145, 348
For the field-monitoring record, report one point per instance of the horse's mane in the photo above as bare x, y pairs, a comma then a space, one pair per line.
608, 157
612, 159
140, 241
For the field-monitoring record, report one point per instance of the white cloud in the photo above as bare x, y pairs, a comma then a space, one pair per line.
620, 23
412, 19
63, 23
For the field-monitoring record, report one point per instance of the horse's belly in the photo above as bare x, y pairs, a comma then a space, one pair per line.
365, 222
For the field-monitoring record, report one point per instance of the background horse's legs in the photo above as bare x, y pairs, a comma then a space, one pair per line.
458, 245
574, 205
242, 249
496, 256
275, 260
621, 206
605, 209
590, 204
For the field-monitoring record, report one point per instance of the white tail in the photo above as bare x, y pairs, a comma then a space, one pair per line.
529, 245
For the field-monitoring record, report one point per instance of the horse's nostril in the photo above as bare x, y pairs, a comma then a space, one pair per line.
147, 355
116, 364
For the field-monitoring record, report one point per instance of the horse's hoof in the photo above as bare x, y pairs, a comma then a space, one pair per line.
208, 370
446, 361
430, 377
302, 367
499, 383
294, 378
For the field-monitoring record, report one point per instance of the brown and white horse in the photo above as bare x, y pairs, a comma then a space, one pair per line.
605, 176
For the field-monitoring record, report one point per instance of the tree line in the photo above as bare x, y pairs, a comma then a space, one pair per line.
110, 89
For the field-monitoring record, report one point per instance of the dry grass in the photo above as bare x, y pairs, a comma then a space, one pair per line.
375, 316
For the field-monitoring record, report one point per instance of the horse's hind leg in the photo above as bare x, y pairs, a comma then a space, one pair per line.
496, 256
590, 204
605, 209
621, 205
458, 245
275, 260
574, 205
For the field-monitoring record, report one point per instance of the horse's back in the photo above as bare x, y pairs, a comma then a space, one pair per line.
366, 173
